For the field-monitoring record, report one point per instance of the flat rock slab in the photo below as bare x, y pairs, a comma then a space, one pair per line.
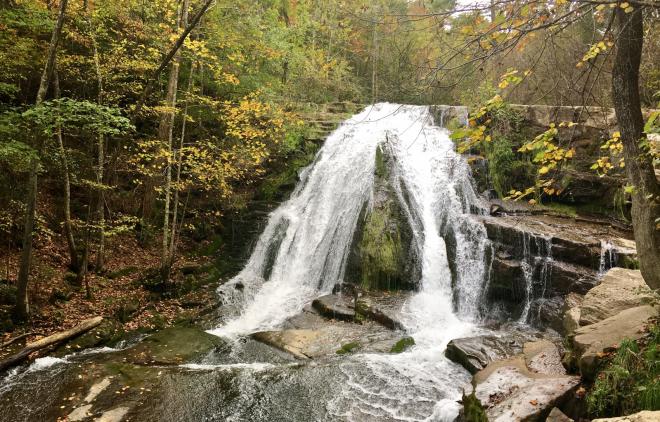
335, 307
543, 357
644, 416
576, 241
512, 393
619, 289
592, 340
326, 340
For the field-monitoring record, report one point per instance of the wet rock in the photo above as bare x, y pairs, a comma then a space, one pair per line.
557, 415
383, 308
173, 346
525, 387
290, 341
475, 353
566, 278
382, 256
592, 340
335, 307
644, 416
619, 289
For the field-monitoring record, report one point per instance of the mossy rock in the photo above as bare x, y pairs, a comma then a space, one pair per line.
381, 255
403, 345
173, 346
347, 348
108, 333
473, 411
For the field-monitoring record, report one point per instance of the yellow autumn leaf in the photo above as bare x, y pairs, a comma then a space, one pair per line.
544, 170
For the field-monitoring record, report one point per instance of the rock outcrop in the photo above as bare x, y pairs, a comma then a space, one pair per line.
382, 256
543, 259
526, 387
591, 341
618, 290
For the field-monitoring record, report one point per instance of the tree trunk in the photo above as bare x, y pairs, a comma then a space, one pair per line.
166, 133
22, 309
100, 204
51, 340
74, 262
170, 55
639, 168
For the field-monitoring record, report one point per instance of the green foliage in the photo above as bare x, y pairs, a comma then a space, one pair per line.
16, 156
73, 116
630, 381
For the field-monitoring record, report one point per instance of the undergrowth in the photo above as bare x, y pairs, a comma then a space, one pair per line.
630, 381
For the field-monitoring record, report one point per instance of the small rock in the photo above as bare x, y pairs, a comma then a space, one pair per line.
557, 415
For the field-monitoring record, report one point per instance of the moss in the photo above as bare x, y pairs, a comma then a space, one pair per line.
473, 411
403, 345
381, 164
351, 347
381, 251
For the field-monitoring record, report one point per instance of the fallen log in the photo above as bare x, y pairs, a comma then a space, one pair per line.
51, 340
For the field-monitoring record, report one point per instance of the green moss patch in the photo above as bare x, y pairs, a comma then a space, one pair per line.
403, 345
351, 347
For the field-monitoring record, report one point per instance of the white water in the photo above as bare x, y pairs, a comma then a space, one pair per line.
308, 238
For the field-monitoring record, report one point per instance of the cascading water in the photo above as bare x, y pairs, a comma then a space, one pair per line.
536, 267
303, 251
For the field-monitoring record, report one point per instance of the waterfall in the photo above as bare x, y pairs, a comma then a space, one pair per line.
303, 250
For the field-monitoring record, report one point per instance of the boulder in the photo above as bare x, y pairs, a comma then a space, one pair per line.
382, 255
619, 289
557, 415
591, 341
510, 391
643, 416
475, 353
335, 307
542, 357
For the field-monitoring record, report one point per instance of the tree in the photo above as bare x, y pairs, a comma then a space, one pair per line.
22, 309
511, 28
639, 167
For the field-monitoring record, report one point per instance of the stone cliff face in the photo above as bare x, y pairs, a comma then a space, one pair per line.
540, 260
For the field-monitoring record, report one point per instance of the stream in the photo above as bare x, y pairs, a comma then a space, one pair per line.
223, 374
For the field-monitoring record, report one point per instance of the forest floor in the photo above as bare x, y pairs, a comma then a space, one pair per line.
118, 293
